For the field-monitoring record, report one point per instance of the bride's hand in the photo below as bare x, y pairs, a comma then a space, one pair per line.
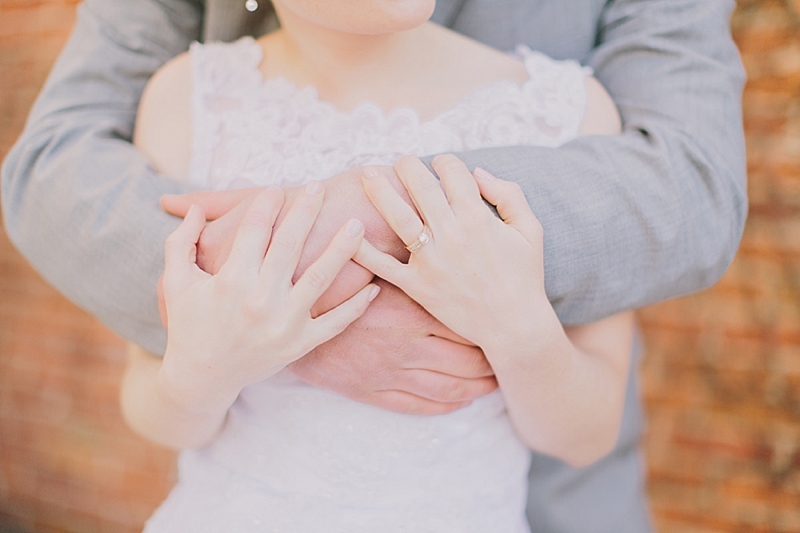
248, 321
479, 275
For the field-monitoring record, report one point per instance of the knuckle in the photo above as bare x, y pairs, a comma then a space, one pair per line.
408, 404
234, 282
379, 375
389, 269
226, 279
478, 211
430, 185
478, 366
269, 201
305, 206
340, 325
254, 219
284, 240
277, 329
453, 390
272, 195
457, 238
514, 190
253, 309
408, 221
316, 278
485, 220
173, 241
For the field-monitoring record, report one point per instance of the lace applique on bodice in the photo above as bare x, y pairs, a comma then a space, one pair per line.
249, 131
293, 458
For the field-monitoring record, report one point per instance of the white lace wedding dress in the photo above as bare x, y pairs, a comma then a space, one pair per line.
295, 458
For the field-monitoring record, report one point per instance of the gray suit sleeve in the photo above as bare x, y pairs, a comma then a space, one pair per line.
658, 211
78, 200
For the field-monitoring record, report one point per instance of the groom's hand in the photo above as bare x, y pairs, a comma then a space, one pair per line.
398, 357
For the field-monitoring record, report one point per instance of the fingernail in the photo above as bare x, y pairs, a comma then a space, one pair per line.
370, 172
313, 187
374, 292
353, 228
482, 174
191, 211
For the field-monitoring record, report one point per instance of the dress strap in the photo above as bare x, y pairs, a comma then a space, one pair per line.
225, 78
228, 70
557, 89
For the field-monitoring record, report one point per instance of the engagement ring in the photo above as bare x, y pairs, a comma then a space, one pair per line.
421, 241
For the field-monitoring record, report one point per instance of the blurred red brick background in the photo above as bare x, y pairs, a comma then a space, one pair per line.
721, 376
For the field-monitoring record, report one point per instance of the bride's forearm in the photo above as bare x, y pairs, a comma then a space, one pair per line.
565, 390
159, 416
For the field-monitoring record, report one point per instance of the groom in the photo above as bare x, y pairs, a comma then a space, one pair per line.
628, 220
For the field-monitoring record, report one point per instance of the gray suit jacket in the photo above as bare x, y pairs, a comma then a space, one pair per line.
628, 220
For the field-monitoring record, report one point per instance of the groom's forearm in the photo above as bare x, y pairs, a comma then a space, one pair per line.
657, 211
345, 199
79, 201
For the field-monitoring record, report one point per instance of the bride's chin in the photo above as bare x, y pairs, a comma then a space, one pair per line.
404, 15
366, 17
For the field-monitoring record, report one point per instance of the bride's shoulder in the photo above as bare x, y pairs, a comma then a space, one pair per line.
164, 118
476, 59
600, 115
564, 77
170, 84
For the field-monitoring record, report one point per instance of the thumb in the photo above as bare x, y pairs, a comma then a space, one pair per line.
214, 203
511, 204
180, 254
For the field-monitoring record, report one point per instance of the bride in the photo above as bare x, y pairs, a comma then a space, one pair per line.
341, 85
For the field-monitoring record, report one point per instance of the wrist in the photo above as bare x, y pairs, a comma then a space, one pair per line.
525, 335
198, 393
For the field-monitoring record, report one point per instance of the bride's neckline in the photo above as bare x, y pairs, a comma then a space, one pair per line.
522, 52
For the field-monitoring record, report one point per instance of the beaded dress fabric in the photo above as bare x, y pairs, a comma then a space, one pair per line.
293, 458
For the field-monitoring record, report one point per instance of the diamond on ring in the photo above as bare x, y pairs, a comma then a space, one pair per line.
422, 240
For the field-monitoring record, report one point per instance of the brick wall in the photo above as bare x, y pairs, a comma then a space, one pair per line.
68, 462
722, 372
721, 377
